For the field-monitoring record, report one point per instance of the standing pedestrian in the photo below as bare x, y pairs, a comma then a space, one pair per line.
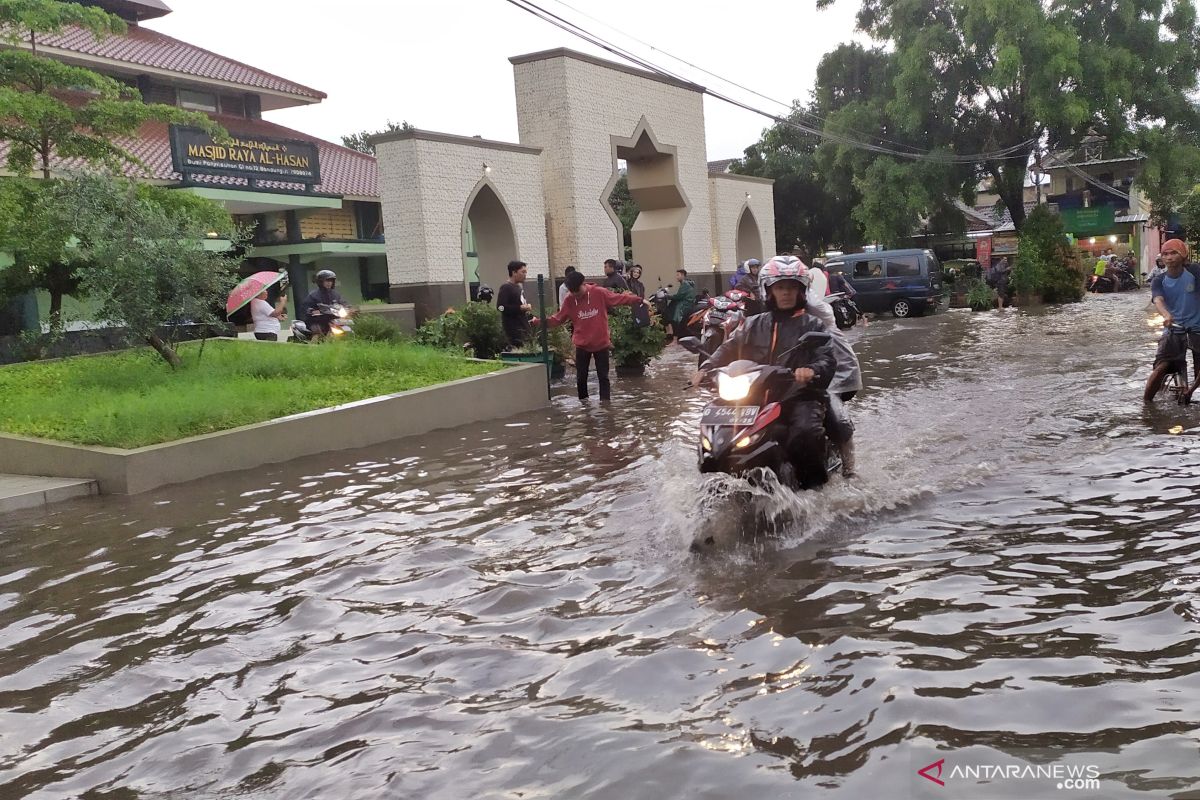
586, 307
562, 287
266, 318
613, 279
635, 281
514, 309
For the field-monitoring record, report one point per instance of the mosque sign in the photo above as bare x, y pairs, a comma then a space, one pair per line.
195, 152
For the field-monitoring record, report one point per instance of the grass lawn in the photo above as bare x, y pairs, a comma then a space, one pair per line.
133, 399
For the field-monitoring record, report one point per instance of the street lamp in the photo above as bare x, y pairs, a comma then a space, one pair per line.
486, 169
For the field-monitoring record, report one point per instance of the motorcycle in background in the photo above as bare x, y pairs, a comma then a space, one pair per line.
341, 324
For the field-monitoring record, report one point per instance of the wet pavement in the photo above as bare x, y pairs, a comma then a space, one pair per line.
510, 611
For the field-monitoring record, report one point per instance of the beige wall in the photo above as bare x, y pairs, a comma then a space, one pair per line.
333, 223
727, 203
426, 185
573, 109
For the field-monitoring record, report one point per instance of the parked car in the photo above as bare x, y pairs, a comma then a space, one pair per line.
906, 282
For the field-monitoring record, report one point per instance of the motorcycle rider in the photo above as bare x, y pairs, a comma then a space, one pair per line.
847, 381
769, 334
748, 283
324, 295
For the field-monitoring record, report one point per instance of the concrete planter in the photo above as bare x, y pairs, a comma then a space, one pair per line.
366, 422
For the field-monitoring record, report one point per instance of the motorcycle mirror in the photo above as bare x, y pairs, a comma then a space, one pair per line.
692, 345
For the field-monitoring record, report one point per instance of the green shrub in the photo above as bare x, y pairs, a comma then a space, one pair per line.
633, 346
1045, 265
482, 329
377, 328
980, 296
445, 331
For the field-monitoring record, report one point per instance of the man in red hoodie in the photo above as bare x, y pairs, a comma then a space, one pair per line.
586, 307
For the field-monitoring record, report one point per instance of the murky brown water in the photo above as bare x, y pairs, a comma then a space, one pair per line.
509, 611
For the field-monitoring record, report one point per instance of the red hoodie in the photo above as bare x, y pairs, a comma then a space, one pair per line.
590, 316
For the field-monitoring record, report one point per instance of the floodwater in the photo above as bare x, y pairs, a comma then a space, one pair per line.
510, 610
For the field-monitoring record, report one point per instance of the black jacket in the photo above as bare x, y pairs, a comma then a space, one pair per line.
749, 284
615, 283
637, 287
514, 319
753, 341
319, 296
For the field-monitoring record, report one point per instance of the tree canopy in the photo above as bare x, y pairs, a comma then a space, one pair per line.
982, 86
361, 141
55, 115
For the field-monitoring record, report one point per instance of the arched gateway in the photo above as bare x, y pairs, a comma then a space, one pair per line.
452, 204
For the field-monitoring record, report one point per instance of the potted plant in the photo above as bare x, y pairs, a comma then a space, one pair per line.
633, 347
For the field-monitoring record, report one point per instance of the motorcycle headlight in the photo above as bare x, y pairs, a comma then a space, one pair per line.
735, 387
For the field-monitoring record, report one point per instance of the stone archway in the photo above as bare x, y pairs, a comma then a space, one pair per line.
652, 171
749, 238
489, 237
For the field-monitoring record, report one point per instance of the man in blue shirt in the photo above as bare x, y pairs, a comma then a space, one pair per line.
1176, 295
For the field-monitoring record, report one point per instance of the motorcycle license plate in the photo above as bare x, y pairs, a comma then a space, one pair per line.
737, 416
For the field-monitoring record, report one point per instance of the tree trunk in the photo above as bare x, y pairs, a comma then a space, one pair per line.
165, 351
56, 300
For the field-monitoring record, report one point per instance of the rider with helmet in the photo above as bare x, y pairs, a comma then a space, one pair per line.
847, 382
748, 283
323, 295
765, 337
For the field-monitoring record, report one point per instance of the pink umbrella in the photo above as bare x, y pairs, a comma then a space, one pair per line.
251, 288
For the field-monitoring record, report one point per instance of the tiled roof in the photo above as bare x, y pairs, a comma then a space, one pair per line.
717, 167
142, 47
343, 171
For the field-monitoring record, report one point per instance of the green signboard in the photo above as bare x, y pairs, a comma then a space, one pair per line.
1094, 221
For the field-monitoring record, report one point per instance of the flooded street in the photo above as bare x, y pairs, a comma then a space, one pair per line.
510, 610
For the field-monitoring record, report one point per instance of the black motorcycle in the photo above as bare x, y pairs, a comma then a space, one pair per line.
743, 429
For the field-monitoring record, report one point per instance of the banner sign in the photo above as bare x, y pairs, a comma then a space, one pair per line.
1094, 221
194, 152
983, 252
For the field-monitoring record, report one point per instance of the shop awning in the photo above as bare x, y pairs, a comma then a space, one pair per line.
1133, 218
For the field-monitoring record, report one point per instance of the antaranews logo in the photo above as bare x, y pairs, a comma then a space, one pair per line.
1064, 776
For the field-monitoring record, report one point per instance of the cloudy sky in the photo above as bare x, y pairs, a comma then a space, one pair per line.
443, 64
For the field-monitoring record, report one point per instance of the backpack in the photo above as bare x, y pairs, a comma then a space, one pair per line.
992, 277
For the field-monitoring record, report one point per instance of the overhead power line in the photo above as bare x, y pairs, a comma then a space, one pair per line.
1014, 152
790, 106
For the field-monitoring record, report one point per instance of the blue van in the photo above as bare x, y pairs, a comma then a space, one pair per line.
906, 282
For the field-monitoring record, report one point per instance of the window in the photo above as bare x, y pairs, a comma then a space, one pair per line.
903, 266
869, 269
1070, 184
197, 101
233, 106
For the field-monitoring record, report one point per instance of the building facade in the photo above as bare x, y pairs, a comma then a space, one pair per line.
328, 217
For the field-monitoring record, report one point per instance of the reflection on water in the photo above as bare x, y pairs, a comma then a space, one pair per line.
509, 610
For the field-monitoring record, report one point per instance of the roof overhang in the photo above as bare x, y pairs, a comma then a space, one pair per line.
136, 9
271, 99
309, 252
244, 201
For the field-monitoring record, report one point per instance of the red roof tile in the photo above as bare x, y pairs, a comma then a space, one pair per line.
143, 47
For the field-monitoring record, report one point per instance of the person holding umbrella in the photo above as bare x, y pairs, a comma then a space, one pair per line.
267, 318
252, 292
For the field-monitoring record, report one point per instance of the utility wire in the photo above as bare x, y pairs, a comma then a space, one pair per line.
790, 106
547, 16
